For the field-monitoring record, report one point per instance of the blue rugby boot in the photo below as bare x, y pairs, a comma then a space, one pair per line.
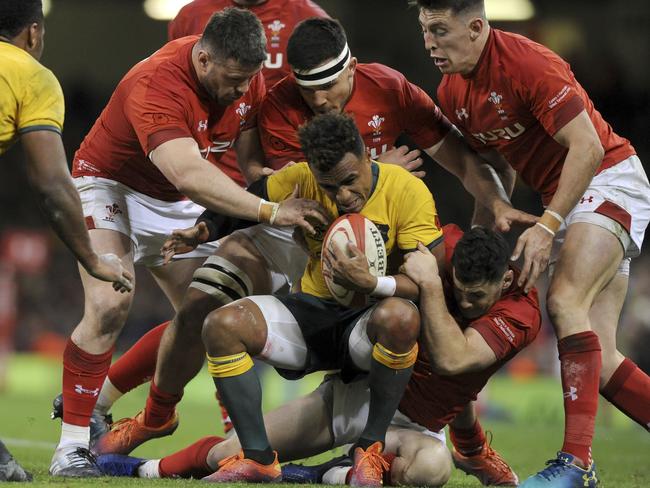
301, 474
562, 473
119, 464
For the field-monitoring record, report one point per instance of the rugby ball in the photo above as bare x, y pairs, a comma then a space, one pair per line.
364, 234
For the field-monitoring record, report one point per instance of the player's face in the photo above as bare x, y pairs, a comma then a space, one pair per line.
450, 39
226, 81
332, 96
348, 184
476, 299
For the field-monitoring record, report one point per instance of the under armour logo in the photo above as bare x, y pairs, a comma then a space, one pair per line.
462, 113
588, 199
587, 477
84, 391
571, 393
203, 125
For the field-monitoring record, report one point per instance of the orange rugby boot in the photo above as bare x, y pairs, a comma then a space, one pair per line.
128, 433
488, 466
369, 466
237, 468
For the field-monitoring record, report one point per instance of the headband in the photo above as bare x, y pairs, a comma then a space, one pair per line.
325, 73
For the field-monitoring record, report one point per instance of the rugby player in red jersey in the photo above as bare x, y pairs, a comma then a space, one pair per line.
519, 104
474, 320
279, 17
145, 168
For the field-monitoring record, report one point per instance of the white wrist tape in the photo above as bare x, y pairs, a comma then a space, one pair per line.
386, 286
547, 229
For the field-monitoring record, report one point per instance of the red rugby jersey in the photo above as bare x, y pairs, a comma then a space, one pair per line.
518, 96
383, 103
158, 100
279, 17
510, 325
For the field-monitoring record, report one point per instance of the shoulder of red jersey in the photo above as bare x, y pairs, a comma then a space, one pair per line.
381, 75
310, 9
284, 100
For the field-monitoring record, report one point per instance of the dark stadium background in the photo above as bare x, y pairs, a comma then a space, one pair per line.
90, 44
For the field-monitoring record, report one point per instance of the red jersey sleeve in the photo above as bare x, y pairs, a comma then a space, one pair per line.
310, 9
156, 114
423, 120
511, 324
551, 90
279, 136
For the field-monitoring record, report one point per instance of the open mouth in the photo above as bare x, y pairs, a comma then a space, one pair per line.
440, 62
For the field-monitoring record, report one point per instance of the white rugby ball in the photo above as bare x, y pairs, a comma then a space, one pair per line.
364, 234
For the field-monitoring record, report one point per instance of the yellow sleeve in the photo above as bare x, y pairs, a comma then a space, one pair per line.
280, 184
42, 106
418, 219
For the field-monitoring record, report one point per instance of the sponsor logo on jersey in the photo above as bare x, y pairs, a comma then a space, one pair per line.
507, 133
112, 211
589, 199
375, 123
217, 147
83, 165
496, 99
462, 113
203, 125
503, 327
80, 390
561, 95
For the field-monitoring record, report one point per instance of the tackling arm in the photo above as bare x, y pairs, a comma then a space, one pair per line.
250, 157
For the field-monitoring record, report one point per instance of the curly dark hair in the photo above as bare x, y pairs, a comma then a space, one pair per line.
327, 138
456, 6
15, 15
314, 41
235, 33
480, 255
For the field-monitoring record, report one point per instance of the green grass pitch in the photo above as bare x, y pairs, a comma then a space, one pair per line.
532, 435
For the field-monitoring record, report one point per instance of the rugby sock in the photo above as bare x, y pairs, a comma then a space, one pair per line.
241, 393
468, 442
580, 363
191, 462
107, 397
629, 390
160, 406
83, 375
389, 374
137, 365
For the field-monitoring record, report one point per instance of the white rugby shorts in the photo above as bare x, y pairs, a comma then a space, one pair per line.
618, 200
147, 221
348, 404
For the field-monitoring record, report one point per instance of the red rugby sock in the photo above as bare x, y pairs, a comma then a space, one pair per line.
470, 441
190, 462
83, 376
629, 390
160, 406
137, 365
580, 363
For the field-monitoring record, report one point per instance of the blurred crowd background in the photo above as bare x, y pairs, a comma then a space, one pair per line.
90, 44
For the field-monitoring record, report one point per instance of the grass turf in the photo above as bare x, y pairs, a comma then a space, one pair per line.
531, 435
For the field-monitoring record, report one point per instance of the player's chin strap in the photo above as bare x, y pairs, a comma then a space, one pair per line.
325, 73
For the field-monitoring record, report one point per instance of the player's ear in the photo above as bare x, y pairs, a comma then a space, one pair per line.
508, 278
352, 65
35, 33
476, 26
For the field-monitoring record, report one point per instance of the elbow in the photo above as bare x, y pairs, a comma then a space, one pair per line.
184, 185
596, 152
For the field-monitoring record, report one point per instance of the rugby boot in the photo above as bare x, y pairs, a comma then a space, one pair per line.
99, 423
119, 464
562, 473
368, 466
487, 465
301, 474
74, 462
128, 433
10, 470
237, 468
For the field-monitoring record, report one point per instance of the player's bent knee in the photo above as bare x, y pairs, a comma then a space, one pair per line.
108, 314
223, 327
396, 320
422, 470
195, 308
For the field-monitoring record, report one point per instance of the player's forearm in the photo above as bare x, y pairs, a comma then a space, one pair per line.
445, 343
60, 203
579, 168
482, 215
405, 288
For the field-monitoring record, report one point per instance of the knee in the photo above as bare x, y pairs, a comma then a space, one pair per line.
193, 311
421, 471
110, 315
563, 305
222, 327
396, 322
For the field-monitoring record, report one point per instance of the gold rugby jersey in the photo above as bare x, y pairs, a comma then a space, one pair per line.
400, 205
30, 96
